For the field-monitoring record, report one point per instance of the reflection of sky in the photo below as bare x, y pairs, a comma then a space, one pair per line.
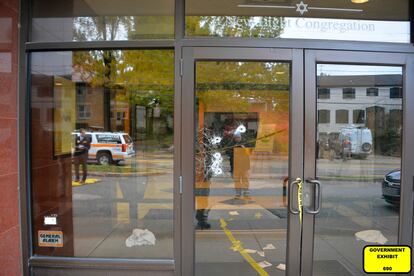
61, 29
353, 70
347, 29
336, 29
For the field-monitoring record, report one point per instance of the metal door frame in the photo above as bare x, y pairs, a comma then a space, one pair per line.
190, 57
312, 58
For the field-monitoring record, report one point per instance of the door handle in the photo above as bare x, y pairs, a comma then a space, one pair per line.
294, 183
318, 190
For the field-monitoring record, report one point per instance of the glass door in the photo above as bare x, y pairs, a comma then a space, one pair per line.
358, 185
242, 151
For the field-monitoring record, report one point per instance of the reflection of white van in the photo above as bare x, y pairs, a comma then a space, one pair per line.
355, 141
109, 147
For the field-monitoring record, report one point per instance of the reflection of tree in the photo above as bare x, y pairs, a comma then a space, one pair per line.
243, 72
137, 78
234, 26
145, 77
101, 27
144, 27
234, 86
122, 27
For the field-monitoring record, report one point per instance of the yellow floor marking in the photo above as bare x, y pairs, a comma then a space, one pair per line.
87, 182
160, 188
119, 193
237, 246
144, 208
122, 210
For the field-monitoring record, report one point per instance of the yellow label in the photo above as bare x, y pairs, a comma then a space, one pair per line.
50, 238
387, 259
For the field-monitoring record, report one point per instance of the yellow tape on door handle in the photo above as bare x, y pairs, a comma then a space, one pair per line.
300, 201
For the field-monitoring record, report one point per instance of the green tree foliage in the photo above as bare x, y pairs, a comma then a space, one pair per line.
233, 86
235, 26
146, 77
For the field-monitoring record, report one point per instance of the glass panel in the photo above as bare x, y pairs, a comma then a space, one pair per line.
379, 20
372, 91
242, 154
102, 173
348, 93
87, 20
324, 116
341, 116
359, 166
324, 93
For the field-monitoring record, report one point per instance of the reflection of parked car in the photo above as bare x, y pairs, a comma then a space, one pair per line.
355, 141
109, 147
391, 187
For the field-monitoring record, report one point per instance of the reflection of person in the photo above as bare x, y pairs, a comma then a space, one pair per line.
228, 141
82, 146
203, 181
346, 149
241, 168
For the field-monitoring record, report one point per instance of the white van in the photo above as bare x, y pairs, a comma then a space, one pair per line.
109, 147
355, 141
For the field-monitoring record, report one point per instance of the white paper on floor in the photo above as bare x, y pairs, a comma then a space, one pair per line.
371, 236
234, 213
250, 251
269, 246
265, 264
140, 237
261, 253
281, 266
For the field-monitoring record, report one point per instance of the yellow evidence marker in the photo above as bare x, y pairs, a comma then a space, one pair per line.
387, 259
88, 181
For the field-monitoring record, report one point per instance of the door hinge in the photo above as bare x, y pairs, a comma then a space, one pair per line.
180, 179
181, 67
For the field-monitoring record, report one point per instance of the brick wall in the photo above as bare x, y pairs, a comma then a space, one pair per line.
10, 261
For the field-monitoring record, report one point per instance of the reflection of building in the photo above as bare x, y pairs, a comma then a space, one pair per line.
120, 115
89, 106
371, 101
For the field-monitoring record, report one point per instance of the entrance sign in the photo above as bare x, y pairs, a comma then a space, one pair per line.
346, 29
387, 259
50, 238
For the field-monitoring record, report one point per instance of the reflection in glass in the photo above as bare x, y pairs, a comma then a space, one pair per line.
359, 161
242, 153
102, 152
335, 19
89, 20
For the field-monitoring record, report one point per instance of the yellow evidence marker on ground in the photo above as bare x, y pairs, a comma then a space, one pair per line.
87, 182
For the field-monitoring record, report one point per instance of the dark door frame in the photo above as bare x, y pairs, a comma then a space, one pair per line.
190, 57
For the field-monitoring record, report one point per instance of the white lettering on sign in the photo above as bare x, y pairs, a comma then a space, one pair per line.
346, 29
50, 238
332, 25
